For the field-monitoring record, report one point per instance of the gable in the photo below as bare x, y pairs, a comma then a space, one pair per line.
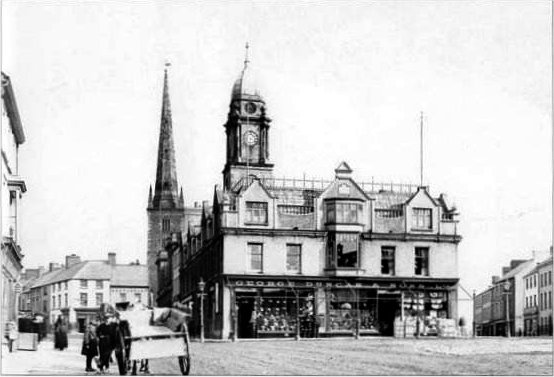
421, 198
256, 191
344, 188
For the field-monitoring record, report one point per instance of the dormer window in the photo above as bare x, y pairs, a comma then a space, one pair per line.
256, 213
344, 213
422, 219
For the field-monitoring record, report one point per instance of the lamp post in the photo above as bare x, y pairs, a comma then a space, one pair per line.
507, 287
474, 327
201, 286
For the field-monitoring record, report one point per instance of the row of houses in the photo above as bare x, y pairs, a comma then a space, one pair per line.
75, 290
265, 252
519, 302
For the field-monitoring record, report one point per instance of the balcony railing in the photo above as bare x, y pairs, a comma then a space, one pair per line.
322, 184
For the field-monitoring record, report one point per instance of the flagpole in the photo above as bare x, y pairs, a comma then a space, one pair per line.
421, 148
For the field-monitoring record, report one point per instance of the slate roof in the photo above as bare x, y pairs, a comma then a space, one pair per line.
129, 275
119, 275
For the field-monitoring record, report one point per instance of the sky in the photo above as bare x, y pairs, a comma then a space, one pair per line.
342, 81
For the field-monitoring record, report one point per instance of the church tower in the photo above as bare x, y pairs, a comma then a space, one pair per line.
247, 131
165, 209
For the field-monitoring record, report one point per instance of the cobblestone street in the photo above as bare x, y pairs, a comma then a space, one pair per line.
369, 356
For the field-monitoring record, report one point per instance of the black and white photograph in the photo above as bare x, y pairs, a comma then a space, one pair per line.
277, 187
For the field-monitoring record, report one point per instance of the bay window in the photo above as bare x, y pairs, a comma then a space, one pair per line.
344, 213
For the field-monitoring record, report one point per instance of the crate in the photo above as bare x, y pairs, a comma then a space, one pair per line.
27, 341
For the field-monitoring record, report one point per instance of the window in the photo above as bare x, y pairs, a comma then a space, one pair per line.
59, 301
138, 297
294, 253
534, 300
99, 299
65, 284
123, 297
526, 283
84, 284
165, 225
387, 260
422, 261
344, 213
421, 218
534, 280
65, 300
256, 213
342, 250
99, 284
550, 300
526, 302
53, 302
255, 257
84, 299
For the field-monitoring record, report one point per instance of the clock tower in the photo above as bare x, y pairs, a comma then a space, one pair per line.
247, 131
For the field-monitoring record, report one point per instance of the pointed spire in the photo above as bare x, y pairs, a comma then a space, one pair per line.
150, 197
165, 189
246, 61
181, 198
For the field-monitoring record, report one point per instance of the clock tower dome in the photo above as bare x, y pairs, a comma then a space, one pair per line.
247, 131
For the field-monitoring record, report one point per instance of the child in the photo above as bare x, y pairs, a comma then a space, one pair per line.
90, 346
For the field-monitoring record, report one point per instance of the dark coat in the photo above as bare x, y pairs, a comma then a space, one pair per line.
90, 343
60, 335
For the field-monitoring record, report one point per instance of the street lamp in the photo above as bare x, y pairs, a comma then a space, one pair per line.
201, 286
507, 287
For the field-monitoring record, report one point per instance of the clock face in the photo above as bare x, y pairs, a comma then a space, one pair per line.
250, 108
251, 137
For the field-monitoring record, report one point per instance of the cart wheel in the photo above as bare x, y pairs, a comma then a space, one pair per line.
184, 361
120, 354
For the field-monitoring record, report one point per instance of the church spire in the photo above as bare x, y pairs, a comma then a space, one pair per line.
166, 189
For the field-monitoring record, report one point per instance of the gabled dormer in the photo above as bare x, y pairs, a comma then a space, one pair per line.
345, 206
422, 212
256, 205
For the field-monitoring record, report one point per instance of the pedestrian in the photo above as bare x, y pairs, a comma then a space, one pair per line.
90, 346
11, 334
60, 334
462, 325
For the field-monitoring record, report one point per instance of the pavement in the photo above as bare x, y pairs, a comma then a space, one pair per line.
367, 356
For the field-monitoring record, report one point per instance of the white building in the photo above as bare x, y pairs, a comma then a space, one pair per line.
77, 289
13, 186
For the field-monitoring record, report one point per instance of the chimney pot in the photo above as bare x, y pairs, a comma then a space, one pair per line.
111, 259
495, 279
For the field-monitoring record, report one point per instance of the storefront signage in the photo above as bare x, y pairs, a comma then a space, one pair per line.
328, 284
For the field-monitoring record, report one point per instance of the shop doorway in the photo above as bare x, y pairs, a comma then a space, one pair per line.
244, 317
388, 309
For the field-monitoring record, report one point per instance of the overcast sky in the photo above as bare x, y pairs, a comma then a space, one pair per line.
342, 81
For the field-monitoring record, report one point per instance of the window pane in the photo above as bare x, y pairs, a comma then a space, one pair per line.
422, 261
256, 212
387, 260
293, 258
255, 257
347, 250
421, 218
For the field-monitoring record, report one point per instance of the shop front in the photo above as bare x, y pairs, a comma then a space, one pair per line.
272, 307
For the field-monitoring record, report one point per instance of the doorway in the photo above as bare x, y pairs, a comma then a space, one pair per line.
388, 309
244, 318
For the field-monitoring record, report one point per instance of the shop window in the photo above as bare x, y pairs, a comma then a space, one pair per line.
84, 284
255, 257
294, 255
421, 218
256, 213
344, 213
99, 299
422, 261
387, 260
342, 250
84, 300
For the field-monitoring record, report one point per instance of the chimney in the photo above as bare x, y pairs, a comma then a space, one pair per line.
516, 262
71, 260
111, 259
41, 270
495, 279
505, 270
205, 204
53, 266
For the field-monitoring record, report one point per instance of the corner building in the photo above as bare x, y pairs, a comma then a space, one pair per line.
291, 257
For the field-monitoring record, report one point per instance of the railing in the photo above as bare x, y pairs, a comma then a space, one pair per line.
385, 213
321, 184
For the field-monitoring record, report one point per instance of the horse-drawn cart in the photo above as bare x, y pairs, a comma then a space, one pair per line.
151, 333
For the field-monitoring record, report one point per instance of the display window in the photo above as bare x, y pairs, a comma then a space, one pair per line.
429, 307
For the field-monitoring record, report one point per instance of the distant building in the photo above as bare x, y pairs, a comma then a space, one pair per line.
499, 310
531, 307
13, 186
284, 255
544, 277
76, 290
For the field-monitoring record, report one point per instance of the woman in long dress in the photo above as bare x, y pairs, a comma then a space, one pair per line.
60, 334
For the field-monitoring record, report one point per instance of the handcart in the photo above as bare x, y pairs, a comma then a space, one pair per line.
151, 333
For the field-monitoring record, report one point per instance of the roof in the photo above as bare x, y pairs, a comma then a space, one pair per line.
11, 108
246, 85
129, 275
512, 273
